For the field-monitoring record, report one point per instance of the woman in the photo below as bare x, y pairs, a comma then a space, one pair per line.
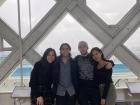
41, 79
65, 77
103, 77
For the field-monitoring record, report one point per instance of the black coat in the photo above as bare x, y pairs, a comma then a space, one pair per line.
56, 74
41, 79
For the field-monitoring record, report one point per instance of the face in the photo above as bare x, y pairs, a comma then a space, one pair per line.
96, 55
65, 51
83, 50
51, 57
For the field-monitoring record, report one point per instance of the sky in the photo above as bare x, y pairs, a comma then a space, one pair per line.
68, 29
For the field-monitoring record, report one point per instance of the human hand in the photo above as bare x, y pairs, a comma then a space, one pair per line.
40, 100
108, 65
102, 101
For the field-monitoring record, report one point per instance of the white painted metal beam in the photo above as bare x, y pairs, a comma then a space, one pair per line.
7, 33
7, 49
32, 56
1, 43
122, 36
97, 28
128, 59
91, 23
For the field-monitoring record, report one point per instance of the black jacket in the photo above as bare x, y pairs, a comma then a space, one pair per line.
56, 74
41, 79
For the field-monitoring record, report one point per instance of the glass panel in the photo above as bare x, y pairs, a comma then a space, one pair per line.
111, 11
133, 43
10, 18
39, 9
122, 74
4, 55
6, 44
69, 31
14, 79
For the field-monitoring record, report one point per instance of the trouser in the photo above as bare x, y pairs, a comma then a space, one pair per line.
111, 97
88, 94
66, 100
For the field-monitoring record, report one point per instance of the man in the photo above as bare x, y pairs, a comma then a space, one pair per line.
65, 77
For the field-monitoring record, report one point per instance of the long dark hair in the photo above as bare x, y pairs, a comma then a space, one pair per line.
65, 44
46, 53
98, 50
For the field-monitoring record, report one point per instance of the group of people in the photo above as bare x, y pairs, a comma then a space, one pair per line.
84, 80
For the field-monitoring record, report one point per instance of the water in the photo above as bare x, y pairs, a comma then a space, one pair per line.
27, 70
120, 68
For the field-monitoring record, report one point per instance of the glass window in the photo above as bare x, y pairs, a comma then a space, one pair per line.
132, 43
111, 11
39, 9
14, 78
10, 17
67, 31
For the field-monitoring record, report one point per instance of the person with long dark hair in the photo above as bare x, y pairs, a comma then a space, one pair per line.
65, 77
41, 79
103, 77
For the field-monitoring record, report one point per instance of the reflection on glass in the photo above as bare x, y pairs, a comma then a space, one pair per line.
111, 11
133, 43
14, 78
70, 31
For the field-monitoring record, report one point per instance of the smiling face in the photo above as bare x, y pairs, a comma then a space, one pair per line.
51, 56
83, 47
83, 50
65, 51
96, 55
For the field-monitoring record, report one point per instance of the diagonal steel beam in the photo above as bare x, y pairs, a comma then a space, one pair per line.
7, 33
1, 43
13, 38
128, 59
121, 37
94, 25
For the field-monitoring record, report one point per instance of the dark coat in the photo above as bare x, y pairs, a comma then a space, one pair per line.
41, 79
56, 74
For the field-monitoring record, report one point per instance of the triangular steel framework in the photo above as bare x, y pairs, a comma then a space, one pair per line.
112, 36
